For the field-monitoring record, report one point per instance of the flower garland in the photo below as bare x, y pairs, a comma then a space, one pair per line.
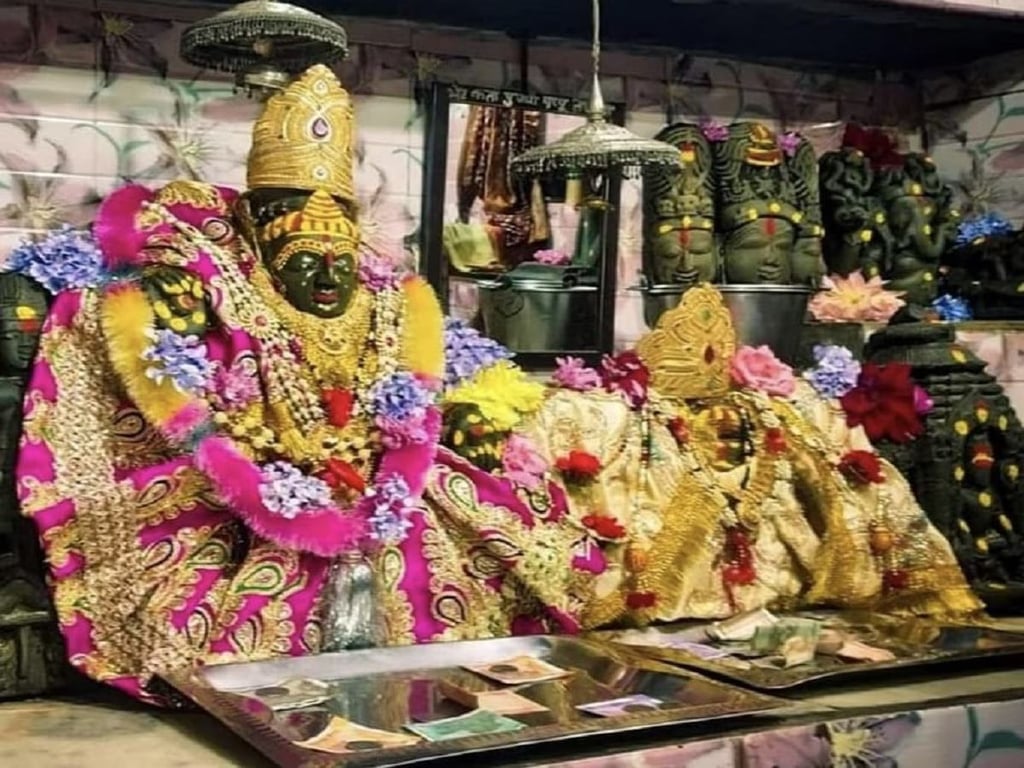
277, 500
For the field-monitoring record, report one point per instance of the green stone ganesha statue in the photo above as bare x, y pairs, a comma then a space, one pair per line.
857, 232
679, 213
922, 220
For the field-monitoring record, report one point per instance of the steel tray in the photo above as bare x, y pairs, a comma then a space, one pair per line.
916, 643
389, 687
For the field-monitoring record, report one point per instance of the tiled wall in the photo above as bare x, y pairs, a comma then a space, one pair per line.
975, 126
71, 130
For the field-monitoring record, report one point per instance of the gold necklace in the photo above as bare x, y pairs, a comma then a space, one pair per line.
332, 347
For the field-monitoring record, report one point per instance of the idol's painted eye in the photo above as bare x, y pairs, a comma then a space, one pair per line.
345, 263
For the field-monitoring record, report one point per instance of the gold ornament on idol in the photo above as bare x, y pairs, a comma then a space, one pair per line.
303, 139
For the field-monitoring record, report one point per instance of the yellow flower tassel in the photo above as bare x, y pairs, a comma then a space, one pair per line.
423, 332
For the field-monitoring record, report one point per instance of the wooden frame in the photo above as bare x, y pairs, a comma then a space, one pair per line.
433, 263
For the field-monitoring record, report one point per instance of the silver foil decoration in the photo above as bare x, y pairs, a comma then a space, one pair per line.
349, 600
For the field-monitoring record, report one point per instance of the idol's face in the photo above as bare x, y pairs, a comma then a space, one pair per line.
316, 274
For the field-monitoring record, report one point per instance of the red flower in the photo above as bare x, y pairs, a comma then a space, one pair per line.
339, 406
878, 146
775, 440
861, 467
883, 403
626, 374
604, 526
338, 473
680, 431
579, 467
639, 600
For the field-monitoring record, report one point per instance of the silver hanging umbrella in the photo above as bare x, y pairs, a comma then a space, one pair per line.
597, 145
263, 43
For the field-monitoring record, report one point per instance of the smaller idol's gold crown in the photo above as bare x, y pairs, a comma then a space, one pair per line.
688, 353
303, 138
321, 216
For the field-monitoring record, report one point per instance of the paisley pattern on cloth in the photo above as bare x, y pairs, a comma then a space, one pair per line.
150, 571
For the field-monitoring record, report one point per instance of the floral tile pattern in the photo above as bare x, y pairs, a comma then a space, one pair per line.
92, 98
976, 130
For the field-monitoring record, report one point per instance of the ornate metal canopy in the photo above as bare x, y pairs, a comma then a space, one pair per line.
597, 145
263, 42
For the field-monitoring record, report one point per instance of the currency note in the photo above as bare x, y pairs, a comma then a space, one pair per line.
518, 671
627, 705
479, 722
342, 737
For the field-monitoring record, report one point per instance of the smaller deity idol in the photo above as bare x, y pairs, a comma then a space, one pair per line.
679, 213
758, 216
725, 485
857, 232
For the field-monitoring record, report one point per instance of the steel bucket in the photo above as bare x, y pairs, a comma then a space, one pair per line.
762, 314
540, 316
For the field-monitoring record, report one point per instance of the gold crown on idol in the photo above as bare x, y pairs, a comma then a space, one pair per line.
689, 352
321, 216
303, 138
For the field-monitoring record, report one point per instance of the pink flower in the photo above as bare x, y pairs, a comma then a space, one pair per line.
789, 143
236, 386
626, 374
574, 373
854, 300
758, 368
377, 272
399, 432
922, 402
521, 462
552, 256
714, 131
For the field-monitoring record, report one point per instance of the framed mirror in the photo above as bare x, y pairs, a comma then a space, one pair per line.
528, 261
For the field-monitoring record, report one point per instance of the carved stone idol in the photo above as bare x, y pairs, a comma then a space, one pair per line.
757, 213
31, 652
857, 233
808, 265
966, 469
679, 213
989, 273
922, 222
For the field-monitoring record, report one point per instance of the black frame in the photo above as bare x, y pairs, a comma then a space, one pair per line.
433, 265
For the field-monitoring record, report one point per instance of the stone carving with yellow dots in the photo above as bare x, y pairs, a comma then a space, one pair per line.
886, 213
966, 469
